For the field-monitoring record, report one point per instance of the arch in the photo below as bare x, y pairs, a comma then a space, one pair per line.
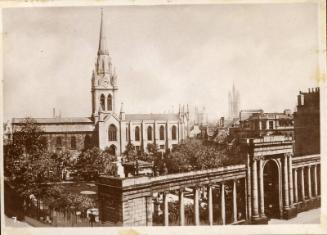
173, 133
102, 102
112, 150
162, 133
149, 132
272, 184
137, 133
112, 133
109, 102
73, 142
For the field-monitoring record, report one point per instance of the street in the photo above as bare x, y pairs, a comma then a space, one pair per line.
307, 217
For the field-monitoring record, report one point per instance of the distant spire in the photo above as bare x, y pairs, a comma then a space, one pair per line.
103, 50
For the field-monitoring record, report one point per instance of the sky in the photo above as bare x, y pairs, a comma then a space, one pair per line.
164, 56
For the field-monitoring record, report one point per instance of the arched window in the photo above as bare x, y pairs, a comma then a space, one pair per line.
109, 102
58, 141
173, 133
149, 133
137, 133
102, 102
112, 133
162, 133
73, 142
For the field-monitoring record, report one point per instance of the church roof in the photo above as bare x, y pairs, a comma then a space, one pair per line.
153, 116
59, 125
56, 120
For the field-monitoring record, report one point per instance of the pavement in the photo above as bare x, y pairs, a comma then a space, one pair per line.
307, 217
12, 222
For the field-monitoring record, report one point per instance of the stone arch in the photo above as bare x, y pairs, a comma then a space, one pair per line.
112, 150
272, 187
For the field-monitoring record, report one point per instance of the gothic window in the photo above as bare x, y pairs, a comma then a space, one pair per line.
109, 102
173, 133
162, 133
149, 133
58, 141
73, 142
102, 102
112, 133
137, 133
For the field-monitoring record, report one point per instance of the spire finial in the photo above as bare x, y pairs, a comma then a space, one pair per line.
102, 41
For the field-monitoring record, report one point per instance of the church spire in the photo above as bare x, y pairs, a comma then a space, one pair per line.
103, 50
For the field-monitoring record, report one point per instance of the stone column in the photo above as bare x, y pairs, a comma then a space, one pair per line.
248, 187
255, 212
285, 183
210, 205
222, 203
234, 201
296, 198
149, 211
166, 211
309, 182
181, 207
302, 185
290, 179
261, 189
315, 178
196, 206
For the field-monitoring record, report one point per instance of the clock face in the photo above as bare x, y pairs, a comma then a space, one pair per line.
105, 83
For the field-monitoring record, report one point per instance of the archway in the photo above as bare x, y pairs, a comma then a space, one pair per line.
271, 189
112, 150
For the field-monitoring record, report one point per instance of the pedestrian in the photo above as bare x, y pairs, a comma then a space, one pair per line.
92, 218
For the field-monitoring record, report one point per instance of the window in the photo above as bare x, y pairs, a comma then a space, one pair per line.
58, 141
73, 142
149, 133
137, 133
137, 148
162, 133
271, 125
162, 146
109, 102
127, 134
173, 133
264, 125
112, 133
102, 102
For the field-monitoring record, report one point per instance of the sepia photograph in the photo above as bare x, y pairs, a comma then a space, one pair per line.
169, 114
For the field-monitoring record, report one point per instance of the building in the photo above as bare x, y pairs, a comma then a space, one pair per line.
307, 123
108, 126
259, 124
233, 103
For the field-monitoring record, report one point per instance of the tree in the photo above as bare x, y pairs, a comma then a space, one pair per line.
31, 170
92, 162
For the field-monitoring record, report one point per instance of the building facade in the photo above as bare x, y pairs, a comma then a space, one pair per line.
307, 123
109, 126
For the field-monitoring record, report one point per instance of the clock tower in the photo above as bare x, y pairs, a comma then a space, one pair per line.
104, 80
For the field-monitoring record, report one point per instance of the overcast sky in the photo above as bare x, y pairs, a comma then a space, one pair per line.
164, 56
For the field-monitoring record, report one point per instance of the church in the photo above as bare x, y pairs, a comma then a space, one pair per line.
109, 126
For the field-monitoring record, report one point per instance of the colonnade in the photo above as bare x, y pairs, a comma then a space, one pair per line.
309, 186
210, 203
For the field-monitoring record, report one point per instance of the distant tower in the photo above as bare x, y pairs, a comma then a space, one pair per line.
233, 103
104, 80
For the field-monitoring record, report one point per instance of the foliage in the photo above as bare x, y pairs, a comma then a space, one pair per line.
96, 161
